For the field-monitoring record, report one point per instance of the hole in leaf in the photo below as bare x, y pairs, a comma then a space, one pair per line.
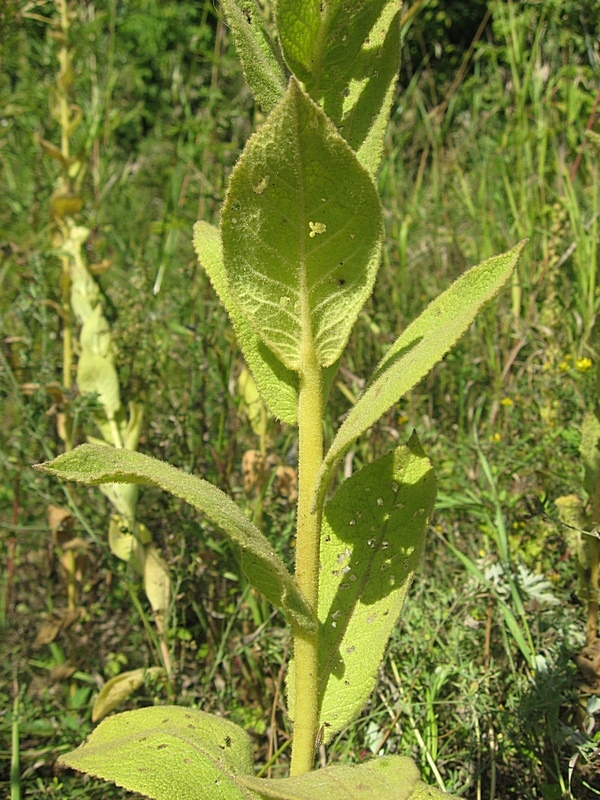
261, 185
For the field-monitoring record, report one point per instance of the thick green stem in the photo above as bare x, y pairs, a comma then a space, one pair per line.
310, 456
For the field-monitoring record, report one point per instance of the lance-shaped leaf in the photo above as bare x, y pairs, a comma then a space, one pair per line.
418, 349
302, 230
278, 386
259, 54
94, 464
96, 367
372, 541
168, 753
347, 54
386, 778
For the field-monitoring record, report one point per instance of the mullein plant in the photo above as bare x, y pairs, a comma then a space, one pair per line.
96, 373
293, 262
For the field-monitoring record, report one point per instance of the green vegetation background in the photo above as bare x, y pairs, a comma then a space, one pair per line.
487, 145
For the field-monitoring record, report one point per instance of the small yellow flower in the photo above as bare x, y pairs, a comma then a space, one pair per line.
583, 364
495, 438
506, 401
563, 366
402, 419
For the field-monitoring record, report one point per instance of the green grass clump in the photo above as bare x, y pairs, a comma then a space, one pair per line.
481, 683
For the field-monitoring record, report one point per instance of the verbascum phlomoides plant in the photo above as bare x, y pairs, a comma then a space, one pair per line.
81, 305
293, 262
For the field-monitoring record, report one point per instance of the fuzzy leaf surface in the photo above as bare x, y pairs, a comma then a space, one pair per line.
95, 464
347, 54
302, 231
425, 342
168, 753
386, 778
259, 54
372, 542
278, 386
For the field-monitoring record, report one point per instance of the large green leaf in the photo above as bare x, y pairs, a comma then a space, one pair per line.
386, 778
372, 542
168, 753
302, 231
94, 464
347, 54
258, 52
278, 386
418, 349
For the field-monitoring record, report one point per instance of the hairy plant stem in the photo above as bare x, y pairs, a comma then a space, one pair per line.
310, 456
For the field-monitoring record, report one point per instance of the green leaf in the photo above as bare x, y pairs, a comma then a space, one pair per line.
590, 453
258, 52
97, 374
418, 349
157, 585
120, 431
251, 404
168, 753
95, 333
96, 371
372, 542
133, 429
302, 231
347, 54
277, 385
386, 778
122, 496
118, 689
126, 544
94, 464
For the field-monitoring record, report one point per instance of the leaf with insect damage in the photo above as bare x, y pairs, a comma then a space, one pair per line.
302, 231
94, 464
